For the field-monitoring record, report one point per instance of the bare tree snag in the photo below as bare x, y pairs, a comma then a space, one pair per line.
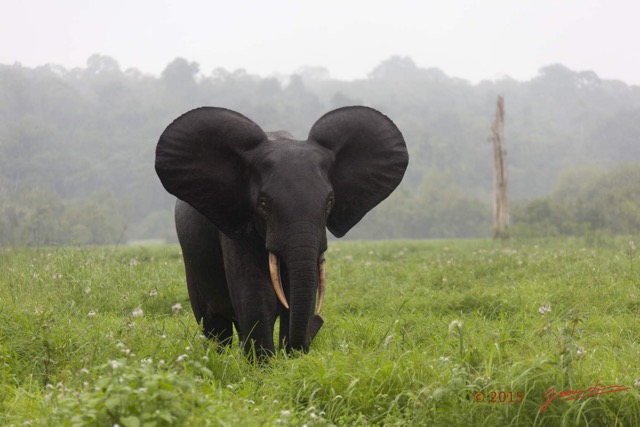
501, 202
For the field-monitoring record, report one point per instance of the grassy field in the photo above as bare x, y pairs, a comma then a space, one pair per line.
467, 333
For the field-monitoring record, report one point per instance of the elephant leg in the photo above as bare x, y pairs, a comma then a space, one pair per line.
256, 334
254, 301
284, 328
204, 268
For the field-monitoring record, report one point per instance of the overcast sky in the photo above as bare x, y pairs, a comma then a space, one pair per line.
469, 39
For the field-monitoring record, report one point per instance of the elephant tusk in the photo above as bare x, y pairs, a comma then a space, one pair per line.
322, 287
274, 270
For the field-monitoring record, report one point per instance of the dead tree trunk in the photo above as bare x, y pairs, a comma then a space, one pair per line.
501, 203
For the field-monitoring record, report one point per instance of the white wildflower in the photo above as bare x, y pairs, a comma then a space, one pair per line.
175, 308
137, 312
388, 340
91, 313
455, 326
544, 309
57, 276
153, 293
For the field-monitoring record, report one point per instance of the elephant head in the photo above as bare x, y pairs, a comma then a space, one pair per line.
287, 192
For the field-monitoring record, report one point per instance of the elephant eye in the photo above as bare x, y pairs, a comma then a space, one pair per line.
264, 206
329, 204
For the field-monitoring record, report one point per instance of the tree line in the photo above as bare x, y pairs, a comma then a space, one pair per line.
77, 146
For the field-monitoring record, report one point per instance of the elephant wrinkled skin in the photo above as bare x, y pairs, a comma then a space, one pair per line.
253, 208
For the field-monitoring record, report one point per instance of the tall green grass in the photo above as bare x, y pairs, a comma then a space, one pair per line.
414, 334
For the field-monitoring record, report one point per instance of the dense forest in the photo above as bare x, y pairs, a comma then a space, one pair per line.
77, 147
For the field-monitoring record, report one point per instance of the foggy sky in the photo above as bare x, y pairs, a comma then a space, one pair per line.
469, 39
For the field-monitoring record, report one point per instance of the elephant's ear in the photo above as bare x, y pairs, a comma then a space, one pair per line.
200, 158
370, 160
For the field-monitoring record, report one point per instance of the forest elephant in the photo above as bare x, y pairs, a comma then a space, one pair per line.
253, 208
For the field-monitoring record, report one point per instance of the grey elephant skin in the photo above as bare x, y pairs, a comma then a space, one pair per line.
253, 208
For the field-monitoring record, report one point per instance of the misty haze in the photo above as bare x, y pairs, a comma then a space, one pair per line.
78, 147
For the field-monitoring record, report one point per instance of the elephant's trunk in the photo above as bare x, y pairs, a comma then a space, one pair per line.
296, 268
276, 281
302, 268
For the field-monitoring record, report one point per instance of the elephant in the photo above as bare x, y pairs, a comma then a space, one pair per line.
252, 211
